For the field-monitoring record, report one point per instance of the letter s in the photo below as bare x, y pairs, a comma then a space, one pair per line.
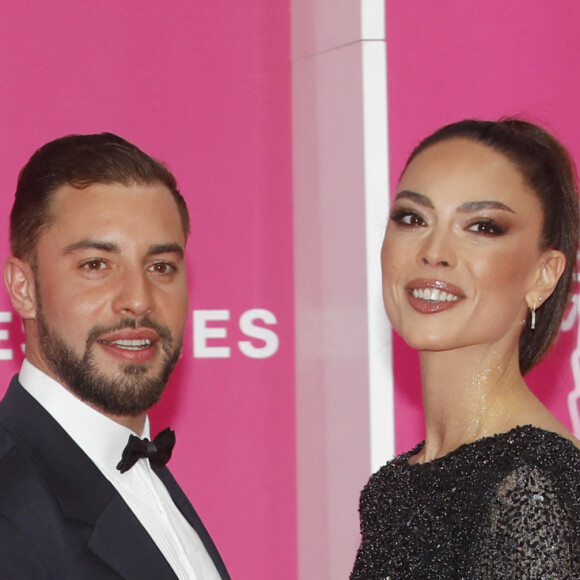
269, 337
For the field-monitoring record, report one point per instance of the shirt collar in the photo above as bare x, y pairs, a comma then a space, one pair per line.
101, 438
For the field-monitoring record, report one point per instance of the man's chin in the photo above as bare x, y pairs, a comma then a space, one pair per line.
134, 395
120, 369
106, 383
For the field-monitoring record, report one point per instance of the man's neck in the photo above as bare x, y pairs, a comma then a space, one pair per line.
135, 423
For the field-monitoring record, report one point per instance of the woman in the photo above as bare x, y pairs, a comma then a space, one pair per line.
478, 264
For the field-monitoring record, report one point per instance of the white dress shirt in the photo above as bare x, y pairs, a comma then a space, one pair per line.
103, 440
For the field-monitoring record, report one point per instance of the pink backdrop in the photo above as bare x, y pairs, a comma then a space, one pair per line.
204, 86
451, 59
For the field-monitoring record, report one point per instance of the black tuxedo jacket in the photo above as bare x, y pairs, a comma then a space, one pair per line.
60, 518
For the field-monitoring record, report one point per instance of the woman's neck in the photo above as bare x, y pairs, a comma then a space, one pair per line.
468, 397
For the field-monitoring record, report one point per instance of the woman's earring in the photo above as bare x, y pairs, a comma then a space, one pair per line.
533, 321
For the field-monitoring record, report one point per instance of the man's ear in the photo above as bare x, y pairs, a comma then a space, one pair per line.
552, 265
19, 280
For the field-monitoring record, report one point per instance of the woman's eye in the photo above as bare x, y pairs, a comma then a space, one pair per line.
487, 228
408, 218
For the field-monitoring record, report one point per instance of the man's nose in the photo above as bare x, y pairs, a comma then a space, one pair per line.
134, 294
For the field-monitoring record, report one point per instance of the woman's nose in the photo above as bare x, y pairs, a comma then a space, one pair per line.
437, 250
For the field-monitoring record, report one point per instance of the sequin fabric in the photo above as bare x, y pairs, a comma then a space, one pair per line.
503, 507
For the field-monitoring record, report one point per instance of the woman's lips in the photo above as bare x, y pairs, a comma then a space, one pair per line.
432, 296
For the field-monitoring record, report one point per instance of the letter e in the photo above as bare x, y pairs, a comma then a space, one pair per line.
201, 334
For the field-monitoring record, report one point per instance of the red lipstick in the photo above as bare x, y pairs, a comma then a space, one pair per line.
432, 296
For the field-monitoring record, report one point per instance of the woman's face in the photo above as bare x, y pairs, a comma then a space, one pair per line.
461, 254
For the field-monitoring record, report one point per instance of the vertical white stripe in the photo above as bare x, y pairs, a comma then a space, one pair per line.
343, 358
374, 68
372, 19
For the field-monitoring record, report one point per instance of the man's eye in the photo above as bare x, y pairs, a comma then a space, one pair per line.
163, 268
94, 265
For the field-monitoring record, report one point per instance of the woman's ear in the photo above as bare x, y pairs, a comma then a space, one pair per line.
19, 280
551, 268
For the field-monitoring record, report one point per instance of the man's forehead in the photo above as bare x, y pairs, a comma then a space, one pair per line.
111, 188
113, 207
108, 196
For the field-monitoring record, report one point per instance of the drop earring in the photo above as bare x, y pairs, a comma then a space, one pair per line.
533, 319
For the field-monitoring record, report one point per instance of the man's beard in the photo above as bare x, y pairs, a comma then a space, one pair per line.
132, 393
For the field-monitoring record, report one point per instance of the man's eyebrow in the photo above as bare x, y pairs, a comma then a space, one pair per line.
93, 245
414, 196
472, 206
112, 248
171, 248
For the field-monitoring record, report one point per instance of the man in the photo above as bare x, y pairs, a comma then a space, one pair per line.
98, 232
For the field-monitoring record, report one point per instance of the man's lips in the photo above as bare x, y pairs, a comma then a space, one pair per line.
130, 339
129, 344
431, 296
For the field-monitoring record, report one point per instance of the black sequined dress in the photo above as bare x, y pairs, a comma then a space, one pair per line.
503, 507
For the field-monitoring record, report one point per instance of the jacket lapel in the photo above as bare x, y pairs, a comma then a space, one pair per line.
121, 541
83, 493
185, 507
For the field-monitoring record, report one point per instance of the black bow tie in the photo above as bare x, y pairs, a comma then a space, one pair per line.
157, 451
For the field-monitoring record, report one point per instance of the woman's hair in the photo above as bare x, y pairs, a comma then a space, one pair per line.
549, 171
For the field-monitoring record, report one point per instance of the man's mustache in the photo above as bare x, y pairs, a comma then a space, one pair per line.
145, 322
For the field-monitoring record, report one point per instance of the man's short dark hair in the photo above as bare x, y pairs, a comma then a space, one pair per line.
79, 161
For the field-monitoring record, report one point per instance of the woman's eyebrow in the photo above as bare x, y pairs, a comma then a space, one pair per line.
414, 196
467, 207
473, 206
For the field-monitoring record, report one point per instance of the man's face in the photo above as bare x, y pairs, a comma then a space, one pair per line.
110, 295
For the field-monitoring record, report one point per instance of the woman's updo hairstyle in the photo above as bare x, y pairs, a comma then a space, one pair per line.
549, 171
